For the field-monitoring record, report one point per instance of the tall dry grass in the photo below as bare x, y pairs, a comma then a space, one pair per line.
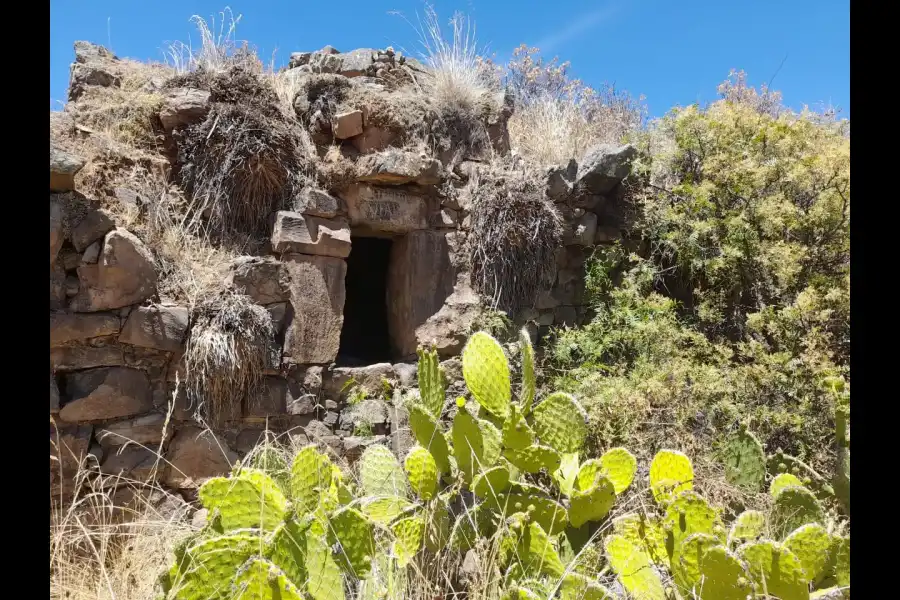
216, 48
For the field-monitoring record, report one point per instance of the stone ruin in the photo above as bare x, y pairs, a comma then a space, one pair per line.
355, 278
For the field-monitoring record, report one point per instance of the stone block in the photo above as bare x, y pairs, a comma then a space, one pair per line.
63, 168
396, 167
384, 209
294, 232
347, 124
183, 106
70, 327
262, 278
317, 297
94, 225
125, 274
195, 455
106, 393
146, 430
162, 327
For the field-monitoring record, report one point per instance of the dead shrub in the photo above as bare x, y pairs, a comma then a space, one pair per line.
225, 355
514, 237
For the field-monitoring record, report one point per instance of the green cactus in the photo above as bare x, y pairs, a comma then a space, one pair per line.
325, 581
634, 569
437, 525
517, 435
646, 532
258, 579
745, 461
723, 576
841, 479
546, 512
311, 474
671, 473
516, 592
409, 534
781, 481
561, 422
468, 443
287, 548
491, 482
380, 473
534, 458
747, 527
251, 499
272, 462
687, 514
775, 569
486, 371
474, 523
619, 466
422, 472
536, 554
491, 437
385, 509
567, 473
431, 382
686, 568
575, 586
427, 431
841, 560
528, 378
809, 477
593, 503
794, 506
211, 564
356, 536
811, 544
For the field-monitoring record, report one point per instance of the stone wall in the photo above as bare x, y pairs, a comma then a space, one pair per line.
116, 346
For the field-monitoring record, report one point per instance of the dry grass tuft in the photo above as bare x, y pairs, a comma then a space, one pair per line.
216, 49
227, 350
515, 234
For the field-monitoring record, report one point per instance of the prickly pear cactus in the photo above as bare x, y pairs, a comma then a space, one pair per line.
546, 512
486, 371
259, 579
528, 379
385, 509
567, 473
781, 481
422, 472
619, 466
437, 525
646, 532
380, 473
491, 482
325, 580
747, 527
491, 437
745, 461
311, 473
794, 506
287, 548
575, 586
593, 503
774, 568
536, 554
561, 422
356, 538
210, 565
671, 473
431, 382
251, 499
468, 443
534, 458
811, 544
428, 433
409, 535
272, 462
723, 577
517, 435
634, 569
687, 514
686, 568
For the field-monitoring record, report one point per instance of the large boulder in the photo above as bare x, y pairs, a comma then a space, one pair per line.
604, 166
63, 168
263, 278
195, 455
385, 209
124, 274
317, 296
94, 225
106, 393
294, 232
94, 66
69, 327
162, 327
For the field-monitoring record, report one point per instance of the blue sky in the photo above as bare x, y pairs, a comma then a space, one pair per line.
674, 53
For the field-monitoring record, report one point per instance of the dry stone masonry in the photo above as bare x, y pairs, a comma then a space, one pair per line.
116, 346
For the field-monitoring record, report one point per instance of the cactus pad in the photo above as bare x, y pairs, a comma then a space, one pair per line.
749, 526
431, 382
468, 443
536, 554
211, 564
567, 473
575, 586
592, 504
516, 592
385, 509
774, 568
251, 499
273, 463
380, 473
794, 506
528, 378
811, 544
491, 482
724, 577
781, 481
517, 435
437, 525
840, 550
686, 568
408, 538
619, 466
546, 512
486, 371
421, 470
745, 461
476, 522
259, 579
491, 437
356, 536
325, 581
634, 569
534, 458
561, 422
428, 433
671, 473
646, 532
287, 549
311, 473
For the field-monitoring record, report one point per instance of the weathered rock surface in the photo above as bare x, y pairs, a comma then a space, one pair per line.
294, 232
385, 209
162, 327
68, 327
54, 395
584, 230
303, 391
347, 124
195, 455
68, 448
317, 297
94, 66
56, 229
106, 393
146, 430
94, 225
368, 378
449, 327
183, 106
316, 203
74, 357
263, 278
125, 274
270, 400
560, 179
604, 166
373, 139
63, 168
395, 167
131, 463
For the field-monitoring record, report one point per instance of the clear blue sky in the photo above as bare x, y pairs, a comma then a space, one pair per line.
673, 52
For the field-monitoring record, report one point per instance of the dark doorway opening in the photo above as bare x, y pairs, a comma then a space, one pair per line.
364, 337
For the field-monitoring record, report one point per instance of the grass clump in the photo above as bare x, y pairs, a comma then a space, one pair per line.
226, 353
